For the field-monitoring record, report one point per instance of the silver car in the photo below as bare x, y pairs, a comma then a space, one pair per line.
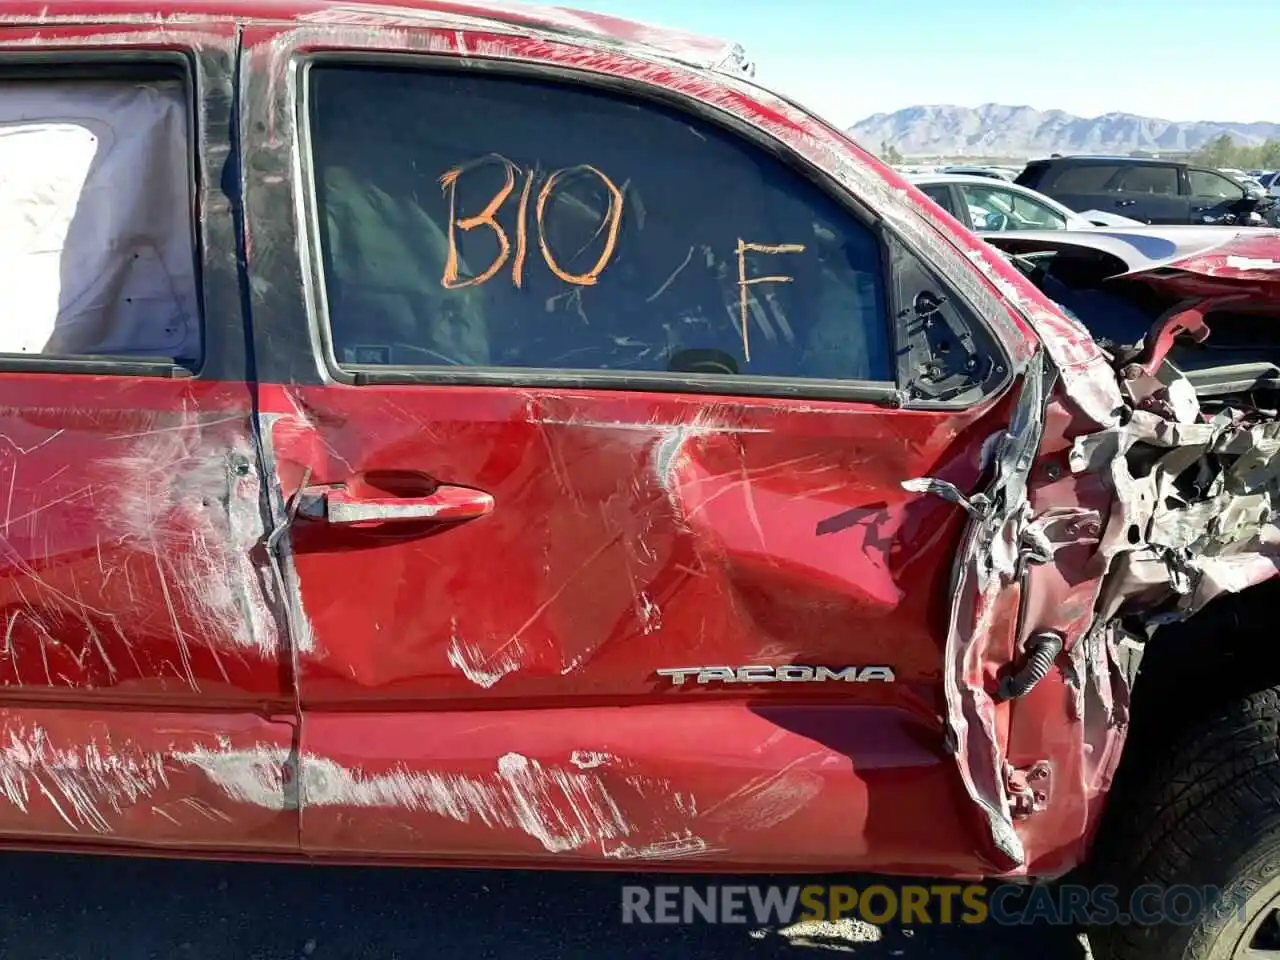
986, 205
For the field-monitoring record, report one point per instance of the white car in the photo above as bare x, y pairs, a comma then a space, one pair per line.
992, 173
986, 205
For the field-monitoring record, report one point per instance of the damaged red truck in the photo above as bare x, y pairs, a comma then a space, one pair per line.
354, 513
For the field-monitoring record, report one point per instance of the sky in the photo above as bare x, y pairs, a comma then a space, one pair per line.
847, 59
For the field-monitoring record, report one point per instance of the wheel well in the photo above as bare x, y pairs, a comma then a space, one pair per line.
1226, 651
1189, 670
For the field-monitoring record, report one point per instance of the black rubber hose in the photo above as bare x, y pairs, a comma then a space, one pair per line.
1043, 650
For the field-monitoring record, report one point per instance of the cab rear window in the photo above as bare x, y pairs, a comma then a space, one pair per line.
469, 220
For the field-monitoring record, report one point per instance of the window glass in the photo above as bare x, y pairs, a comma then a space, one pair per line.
1144, 178
96, 228
1034, 215
1207, 184
1083, 178
994, 208
479, 220
941, 195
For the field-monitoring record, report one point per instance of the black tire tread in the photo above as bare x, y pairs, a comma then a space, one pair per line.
1192, 814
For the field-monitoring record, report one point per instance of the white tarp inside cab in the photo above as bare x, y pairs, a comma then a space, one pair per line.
96, 220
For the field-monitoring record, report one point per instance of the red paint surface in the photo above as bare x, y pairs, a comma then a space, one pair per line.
1252, 257
141, 779
1247, 266
485, 691
716, 784
630, 532
120, 574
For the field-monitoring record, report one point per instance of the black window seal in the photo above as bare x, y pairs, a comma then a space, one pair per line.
885, 393
121, 64
961, 204
999, 374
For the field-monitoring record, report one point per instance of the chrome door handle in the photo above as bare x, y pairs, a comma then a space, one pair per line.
445, 504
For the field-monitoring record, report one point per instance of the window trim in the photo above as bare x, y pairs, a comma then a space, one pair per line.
123, 64
889, 393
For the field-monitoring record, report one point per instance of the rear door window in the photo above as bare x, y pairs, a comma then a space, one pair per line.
470, 220
1084, 178
1146, 178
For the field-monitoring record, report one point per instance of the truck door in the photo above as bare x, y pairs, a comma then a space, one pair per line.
146, 700
1150, 192
1214, 196
589, 412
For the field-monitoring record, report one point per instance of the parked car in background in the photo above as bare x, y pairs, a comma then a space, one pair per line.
1102, 277
974, 170
1271, 182
1248, 179
984, 205
1149, 190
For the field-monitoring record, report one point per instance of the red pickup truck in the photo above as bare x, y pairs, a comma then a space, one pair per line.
350, 515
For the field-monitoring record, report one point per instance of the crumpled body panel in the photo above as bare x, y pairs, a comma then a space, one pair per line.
1109, 533
629, 531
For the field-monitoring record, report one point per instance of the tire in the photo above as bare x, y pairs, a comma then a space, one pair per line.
1204, 813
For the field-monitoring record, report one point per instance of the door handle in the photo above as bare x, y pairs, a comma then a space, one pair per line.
443, 505
1125, 203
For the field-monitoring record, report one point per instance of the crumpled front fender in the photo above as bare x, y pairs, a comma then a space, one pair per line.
1095, 534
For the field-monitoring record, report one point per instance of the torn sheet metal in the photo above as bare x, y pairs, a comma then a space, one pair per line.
1196, 510
986, 566
1164, 511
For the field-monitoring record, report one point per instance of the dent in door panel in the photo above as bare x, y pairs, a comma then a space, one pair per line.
630, 531
704, 783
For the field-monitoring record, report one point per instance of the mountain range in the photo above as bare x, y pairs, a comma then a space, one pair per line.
998, 130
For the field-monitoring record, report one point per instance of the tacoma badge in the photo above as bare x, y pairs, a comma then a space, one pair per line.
788, 673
